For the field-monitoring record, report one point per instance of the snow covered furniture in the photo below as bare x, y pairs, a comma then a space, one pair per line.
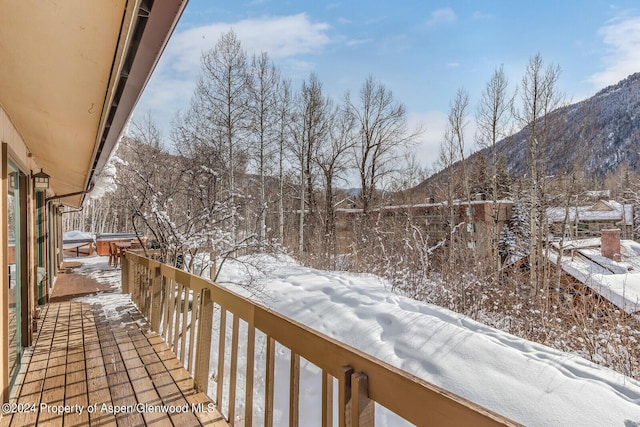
103, 241
78, 242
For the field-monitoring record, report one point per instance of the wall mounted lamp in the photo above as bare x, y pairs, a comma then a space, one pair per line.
41, 180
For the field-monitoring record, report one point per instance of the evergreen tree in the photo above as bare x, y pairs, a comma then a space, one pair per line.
506, 243
503, 180
520, 223
480, 179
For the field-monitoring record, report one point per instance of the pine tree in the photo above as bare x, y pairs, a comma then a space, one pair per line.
520, 223
503, 179
506, 244
480, 179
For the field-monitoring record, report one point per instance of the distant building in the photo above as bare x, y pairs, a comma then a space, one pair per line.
589, 221
607, 267
476, 219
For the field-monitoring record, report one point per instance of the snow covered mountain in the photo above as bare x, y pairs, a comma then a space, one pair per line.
596, 134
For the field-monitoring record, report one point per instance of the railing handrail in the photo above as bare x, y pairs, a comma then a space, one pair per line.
410, 397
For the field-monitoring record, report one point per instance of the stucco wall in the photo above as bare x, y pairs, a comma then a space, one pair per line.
18, 150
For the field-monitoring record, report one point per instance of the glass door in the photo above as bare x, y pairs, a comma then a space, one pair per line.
40, 246
15, 270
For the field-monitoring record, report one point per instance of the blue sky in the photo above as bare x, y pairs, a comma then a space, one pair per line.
424, 51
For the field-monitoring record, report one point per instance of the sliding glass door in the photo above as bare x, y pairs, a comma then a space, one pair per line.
15, 193
40, 246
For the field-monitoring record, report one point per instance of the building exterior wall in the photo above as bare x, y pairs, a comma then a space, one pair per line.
432, 219
583, 228
14, 150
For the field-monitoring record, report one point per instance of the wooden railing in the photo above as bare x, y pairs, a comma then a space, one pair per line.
181, 307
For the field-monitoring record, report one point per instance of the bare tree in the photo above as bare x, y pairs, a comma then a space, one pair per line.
494, 118
539, 96
220, 100
457, 122
284, 106
410, 175
169, 198
263, 120
382, 123
451, 160
152, 183
311, 127
569, 185
333, 160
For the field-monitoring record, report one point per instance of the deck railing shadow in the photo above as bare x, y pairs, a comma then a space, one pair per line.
182, 307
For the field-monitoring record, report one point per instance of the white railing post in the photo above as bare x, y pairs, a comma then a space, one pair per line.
124, 270
203, 351
327, 399
269, 382
362, 408
156, 296
344, 395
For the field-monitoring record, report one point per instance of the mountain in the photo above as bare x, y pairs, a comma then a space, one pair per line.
596, 134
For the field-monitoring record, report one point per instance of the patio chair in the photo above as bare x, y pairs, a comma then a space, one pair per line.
114, 254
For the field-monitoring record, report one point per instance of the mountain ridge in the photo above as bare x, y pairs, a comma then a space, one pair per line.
595, 135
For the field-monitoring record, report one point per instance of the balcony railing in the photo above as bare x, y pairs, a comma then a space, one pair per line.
183, 309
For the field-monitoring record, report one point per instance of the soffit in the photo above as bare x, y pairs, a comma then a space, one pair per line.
61, 64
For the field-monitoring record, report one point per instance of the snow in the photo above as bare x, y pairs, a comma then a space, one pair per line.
525, 381
98, 268
608, 210
105, 180
77, 235
622, 289
75, 238
424, 205
618, 282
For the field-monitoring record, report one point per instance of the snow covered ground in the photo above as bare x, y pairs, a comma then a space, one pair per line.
525, 381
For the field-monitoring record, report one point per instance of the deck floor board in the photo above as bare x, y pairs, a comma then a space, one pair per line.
85, 357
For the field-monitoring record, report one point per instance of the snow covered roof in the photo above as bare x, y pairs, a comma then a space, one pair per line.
577, 244
603, 210
618, 282
456, 202
598, 193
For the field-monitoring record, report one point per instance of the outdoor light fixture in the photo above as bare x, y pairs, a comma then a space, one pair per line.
41, 180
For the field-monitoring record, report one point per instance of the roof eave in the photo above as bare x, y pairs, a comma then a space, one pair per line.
153, 28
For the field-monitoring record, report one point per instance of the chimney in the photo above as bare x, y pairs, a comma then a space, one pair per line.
610, 244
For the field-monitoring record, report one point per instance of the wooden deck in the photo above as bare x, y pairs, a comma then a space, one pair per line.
101, 366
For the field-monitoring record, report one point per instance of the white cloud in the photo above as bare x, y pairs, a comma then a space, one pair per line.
358, 42
441, 16
284, 37
622, 35
433, 124
453, 65
280, 36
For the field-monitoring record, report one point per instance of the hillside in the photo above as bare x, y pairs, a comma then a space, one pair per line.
596, 134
